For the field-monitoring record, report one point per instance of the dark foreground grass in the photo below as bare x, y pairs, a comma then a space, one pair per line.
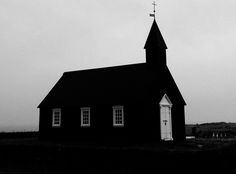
29, 155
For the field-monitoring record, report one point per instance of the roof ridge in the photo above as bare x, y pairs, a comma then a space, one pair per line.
103, 68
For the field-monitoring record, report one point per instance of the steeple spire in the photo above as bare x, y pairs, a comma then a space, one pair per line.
155, 38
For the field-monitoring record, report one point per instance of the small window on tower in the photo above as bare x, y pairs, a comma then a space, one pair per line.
85, 117
118, 116
56, 117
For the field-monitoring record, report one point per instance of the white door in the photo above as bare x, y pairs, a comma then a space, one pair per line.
165, 119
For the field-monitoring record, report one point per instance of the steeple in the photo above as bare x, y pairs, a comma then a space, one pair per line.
155, 38
155, 47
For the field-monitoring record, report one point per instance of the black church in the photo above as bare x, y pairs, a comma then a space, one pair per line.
137, 102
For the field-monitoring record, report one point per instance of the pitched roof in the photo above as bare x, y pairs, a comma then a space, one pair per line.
155, 38
117, 85
96, 85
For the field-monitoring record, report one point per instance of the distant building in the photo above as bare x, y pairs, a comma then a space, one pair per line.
138, 102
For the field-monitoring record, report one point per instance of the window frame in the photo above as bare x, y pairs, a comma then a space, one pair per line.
54, 122
82, 116
115, 108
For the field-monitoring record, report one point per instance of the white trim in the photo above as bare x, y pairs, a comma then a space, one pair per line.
82, 110
162, 102
115, 108
56, 123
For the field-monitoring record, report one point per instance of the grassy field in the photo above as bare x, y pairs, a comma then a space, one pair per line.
29, 155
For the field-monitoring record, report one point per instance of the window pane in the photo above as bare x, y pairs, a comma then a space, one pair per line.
118, 116
85, 114
56, 117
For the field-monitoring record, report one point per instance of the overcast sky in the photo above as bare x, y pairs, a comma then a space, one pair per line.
41, 39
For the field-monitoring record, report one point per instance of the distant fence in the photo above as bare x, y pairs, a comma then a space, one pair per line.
211, 133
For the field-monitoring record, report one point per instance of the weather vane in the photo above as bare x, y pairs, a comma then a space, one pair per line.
154, 9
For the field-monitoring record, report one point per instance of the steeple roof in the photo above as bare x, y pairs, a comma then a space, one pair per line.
155, 38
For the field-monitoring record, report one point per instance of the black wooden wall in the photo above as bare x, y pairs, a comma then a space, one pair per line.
141, 123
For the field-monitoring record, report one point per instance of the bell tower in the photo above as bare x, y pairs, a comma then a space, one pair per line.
155, 46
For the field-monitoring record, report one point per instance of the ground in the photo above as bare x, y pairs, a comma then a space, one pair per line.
29, 155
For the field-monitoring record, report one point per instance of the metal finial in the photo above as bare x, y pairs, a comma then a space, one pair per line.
154, 9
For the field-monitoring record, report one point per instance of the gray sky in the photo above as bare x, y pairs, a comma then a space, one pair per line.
41, 39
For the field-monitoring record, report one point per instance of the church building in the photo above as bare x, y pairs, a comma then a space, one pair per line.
137, 102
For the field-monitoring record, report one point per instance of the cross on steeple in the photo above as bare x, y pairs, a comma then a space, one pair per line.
154, 6
154, 9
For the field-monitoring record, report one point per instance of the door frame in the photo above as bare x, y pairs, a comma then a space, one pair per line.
165, 102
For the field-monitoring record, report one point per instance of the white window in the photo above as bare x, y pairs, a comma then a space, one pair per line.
56, 117
85, 117
118, 116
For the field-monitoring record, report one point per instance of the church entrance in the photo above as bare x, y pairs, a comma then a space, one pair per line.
165, 118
